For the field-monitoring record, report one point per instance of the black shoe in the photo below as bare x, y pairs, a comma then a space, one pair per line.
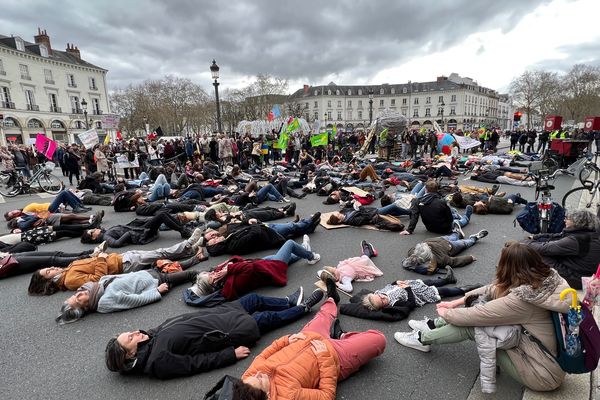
315, 221
312, 300
368, 249
494, 189
186, 233
479, 235
332, 290
468, 288
450, 278
295, 299
336, 330
290, 209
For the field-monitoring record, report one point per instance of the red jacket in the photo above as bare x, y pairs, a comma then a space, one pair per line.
244, 276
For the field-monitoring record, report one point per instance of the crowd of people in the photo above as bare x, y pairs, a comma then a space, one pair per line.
212, 191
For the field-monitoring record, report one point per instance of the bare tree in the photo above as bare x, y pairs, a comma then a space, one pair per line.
581, 89
525, 91
549, 93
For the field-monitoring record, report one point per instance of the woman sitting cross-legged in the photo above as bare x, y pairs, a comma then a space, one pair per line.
205, 339
121, 292
524, 292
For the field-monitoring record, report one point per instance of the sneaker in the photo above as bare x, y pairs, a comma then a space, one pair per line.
316, 258
313, 299
450, 278
458, 229
296, 298
196, 235
290, 210
468, 211
336, 330
285, 200
419, 325
411, 339
494, 189
332, 290
101, 248
368, 249
323, 275
479, 235
306, 243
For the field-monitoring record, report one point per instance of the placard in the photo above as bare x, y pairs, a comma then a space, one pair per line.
89, 138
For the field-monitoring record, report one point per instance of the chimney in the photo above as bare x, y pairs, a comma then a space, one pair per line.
442, 78
43, 38
73, 50
305, 89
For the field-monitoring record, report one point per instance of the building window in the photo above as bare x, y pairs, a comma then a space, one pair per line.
24, 72
34, 123
349, 103
360, 92
416, 113
393, 102
404, 112
428, 100
20, 44
381, 103
48, 76
440, 111
316, 104
30, 100
404, 101
452, 110
329, 115
5, 97
453, 98
43, 50
306, 105
328, 103
96, 106
359, 114
404, 90
56, 125
349, 115
79, 125
339, 103
416, 101
2, 71
54, 103
393, 91
339, 115
75, 109
381, 91
93, 84
71, 80
316, 115
329, 92
360, 103
337, 92
349, 92
441, 99
428, 112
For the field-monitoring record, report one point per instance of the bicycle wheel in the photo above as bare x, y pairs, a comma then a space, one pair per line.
9, 185
550, 164
50, 183
580, 198
585, 173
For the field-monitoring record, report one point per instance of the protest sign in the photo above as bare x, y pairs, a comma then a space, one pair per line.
89, 138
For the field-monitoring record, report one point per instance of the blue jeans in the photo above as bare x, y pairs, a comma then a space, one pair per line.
393, 209
418, 190
160, 190
268, 191
290, 230
190, 194
462, 220
270, 312
290, 252
64, 197
457, 244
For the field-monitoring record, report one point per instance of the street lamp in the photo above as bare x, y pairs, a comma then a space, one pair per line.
84, 107
214, 70
370, 106
443, 104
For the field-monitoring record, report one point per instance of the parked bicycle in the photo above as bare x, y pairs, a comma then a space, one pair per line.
588, 194
544, 189
12, 183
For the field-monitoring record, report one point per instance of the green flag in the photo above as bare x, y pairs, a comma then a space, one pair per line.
319, 140
293, 126
282, 141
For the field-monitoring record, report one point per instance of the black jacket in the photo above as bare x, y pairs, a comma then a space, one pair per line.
397, 312
369, 216
132, 233
435, 213
196, 342
245, 239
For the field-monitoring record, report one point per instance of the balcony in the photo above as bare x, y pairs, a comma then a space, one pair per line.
26, 77
97, 112
76, 111
93, 87
33, 107
7, 104
50, 81
55, 109
72, 84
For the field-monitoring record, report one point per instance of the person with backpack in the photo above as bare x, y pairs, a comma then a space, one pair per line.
522, 142
524, 292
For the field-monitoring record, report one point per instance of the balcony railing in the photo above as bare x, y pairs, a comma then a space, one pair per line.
50, 81
72, 84
33, 107
7, 104
97, 112
76, 111
26, 77
55, 109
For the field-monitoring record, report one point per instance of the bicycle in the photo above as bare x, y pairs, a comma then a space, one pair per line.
12, 183
588, 193
544, 188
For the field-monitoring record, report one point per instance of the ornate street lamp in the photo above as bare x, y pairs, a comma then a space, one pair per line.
370, 106
84, 107
214, 70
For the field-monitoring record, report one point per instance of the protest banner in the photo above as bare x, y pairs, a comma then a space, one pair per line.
110, 121
319, 140
465, 142
123, 162
89, 138
45, 145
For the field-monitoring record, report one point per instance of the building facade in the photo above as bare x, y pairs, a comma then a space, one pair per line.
454, 102
43, 90
506, 112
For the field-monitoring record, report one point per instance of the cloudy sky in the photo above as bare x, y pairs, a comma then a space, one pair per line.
316, 41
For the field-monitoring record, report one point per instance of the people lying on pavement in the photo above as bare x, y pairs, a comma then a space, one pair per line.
29, 261
360, 269
483, 204
25, 222
205, 339
362, 215
62, 199
262, 214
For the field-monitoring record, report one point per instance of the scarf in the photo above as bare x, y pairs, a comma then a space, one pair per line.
95, 290
531, 295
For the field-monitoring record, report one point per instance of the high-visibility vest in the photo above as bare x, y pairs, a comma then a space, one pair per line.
554, 135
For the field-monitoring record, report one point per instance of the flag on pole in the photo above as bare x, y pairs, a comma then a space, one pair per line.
45, 145
319, 140
281, 143
119, 136
293, 126
107, 138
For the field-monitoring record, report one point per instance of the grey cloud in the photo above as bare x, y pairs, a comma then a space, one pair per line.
585, 53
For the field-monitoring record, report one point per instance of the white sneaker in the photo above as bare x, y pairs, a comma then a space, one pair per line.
286, 199
316, 259
419, 325
306, 243
411, 339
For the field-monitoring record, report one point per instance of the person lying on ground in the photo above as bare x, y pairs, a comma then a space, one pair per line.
29, 261
524, 292
205, 339
484, 204
309, 364
63, 198
114, 293
26, 222
138, 231
261, 214
574, 252
360, 269
498, 176
238, 276
49, 280
362, 215
241, 239
432, 255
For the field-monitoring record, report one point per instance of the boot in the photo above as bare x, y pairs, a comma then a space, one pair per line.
336, 330
332, 290
449, 277
468, 288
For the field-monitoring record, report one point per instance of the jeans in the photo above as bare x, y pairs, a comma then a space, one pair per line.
270, 312
160, 189
290, 230
135, 260
462, 220
418, 190
268, 191
290, 252
457, 244
175, 278
64, 197
393, 209
32, 261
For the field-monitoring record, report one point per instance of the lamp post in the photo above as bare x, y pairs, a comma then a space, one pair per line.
443, 104
214, 70
84, 107
370, 106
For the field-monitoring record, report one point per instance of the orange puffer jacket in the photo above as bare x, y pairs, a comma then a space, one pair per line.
296, 372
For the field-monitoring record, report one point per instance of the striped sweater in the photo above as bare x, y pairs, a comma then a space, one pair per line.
127, 291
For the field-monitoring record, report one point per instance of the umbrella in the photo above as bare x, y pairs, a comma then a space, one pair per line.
444, 142
572, 342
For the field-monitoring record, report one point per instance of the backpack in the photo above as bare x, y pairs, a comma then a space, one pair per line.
529, 218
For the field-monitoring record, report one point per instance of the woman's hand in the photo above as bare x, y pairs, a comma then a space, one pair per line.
241, 352
318, 346
163, 288
296, 337
442, 311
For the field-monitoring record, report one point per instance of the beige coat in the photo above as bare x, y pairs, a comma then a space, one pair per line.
531, 309
101, 161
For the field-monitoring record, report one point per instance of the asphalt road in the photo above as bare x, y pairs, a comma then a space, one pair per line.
42, 360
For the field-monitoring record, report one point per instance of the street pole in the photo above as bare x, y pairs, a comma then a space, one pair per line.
370, 106
214, 69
